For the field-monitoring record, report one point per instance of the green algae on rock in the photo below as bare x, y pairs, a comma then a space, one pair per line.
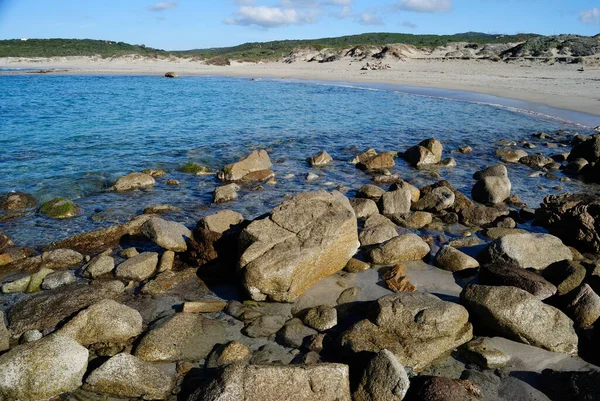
59, 208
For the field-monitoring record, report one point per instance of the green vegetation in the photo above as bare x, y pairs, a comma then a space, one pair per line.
72, 47
193, 168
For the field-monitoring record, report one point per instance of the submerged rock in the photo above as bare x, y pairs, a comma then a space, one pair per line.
226, 193
510, 155
309, 237
134, 181
255, 161
520, 316
16, 201
59, 208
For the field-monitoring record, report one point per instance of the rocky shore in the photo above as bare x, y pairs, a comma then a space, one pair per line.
379, 293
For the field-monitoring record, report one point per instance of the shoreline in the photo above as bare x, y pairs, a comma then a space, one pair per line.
559, 90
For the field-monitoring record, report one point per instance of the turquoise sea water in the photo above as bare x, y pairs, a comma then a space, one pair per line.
72, 136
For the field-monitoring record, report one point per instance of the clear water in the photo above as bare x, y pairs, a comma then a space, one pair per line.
72, 136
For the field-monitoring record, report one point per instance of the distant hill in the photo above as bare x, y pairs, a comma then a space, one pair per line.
72, 47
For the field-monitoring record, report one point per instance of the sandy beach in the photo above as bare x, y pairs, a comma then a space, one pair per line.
561, 86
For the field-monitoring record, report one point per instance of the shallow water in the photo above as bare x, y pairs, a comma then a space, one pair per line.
72, 136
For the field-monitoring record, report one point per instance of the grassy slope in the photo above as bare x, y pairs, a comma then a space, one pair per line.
71, 47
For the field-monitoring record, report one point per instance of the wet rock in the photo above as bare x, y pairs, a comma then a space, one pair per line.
226, 193
320, 159
438, 199
185, 336
577, 165
367, 154
491, 190
17, 201
571, 386
383, 161
255, 161
221, 221
159, 209
518, 315
498, 170
309, 237
402, 248
104, 322
4, 334
584, 308
588, 149
416, 328
506, 275
42, 369
126, 376
465, 150
227, 354
321, 318
155, 173
364, 208
377, 234
6, 242
311, 177
566, 275
59, 208
171, 74
134, 181
259, 176
510, 155
100, 265
369, 191
356, 266
383, 379
536, 161
138, 268
348, 295
537, 251
36, 279
448, 162
461, 202
293, 333
446, 389
453, 260
264, 326
425, 153
57, 279
169, 235
313, 382
167, 259
47, 310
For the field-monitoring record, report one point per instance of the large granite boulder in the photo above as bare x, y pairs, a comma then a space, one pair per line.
138, 268
506, 275
575, 218
384, 379
416, 328
518, 315
315, 382
169, 235
256, 161
403, 248
491, 190
537, 251
309, 237
42, 369
440, 198
125, 376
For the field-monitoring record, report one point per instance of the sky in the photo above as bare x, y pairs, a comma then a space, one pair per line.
192, 24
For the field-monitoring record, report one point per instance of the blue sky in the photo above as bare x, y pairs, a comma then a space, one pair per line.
187, 24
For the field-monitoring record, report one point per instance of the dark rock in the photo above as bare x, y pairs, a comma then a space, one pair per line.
446, 389
16, 201
566, 275
505, 275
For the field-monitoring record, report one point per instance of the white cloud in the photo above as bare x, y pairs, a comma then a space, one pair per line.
271, 17
368, 19
591, 16
163, 5
425, 6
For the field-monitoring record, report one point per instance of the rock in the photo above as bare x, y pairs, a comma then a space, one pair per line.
437, 200
416, 328
227, 354
589, 149
364, 208
6, 242
309, 237
369, 191
510, 155
506, 275
138, 268
377, 234
536, 161
367, 154
293, 333
446, 389
356, 266
19, 285
4, 334
321, 159
448, 162
127, 253
348, 295
193, 168
36, 279
321, 318
100, 265
461, 202
573, 218
57, 279
516, 314
104, 322
311, 177
17, 201
155, 173
491, 190
134, 181
169, 235
453, 260
566, 275
47, 310
59, 208
418, 220
481, 215
172, 182
478, 352
498, 170
221, 221
259, 176
313, 382
384, 379
414, 191
205, 306
226, 193
465, 150
183, 284
378, 220
402, 248
170, 74
185, 336
427, 152
537, 251
125, 376
61, 259
383, 161
255, 161
42, 369
584, 308
160, 209
264, 326
31, 336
